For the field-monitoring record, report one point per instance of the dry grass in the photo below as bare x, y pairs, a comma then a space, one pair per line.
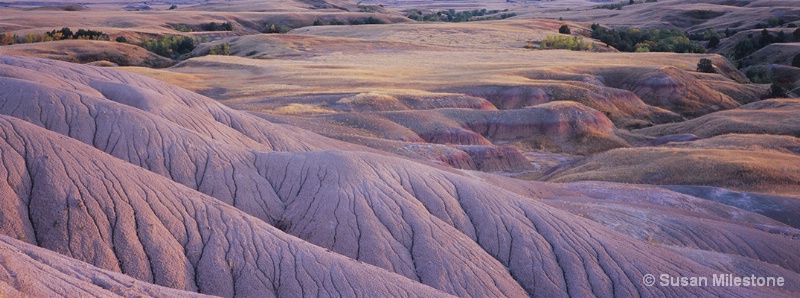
86, 51
324, 71
187, 81
774, 116
780, 53
750, 142
749, 170
686, 15
305, 65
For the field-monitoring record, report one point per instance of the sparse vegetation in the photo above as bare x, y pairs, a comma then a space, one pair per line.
704, 14
750, 45
275, 28
713, 42
183, 28
9, 38
776, 91
775, 22
574, 43
651, 40
364, 8
213, 26
705, 65
614, 6
220, 49
759, 74
367, 21
461, 16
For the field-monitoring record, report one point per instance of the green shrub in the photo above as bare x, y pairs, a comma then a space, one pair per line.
169, 46
658, 40
713, 42
9, 38
213, 26
564, 29
183, 28
367, 20
452, 15
705, 65
220, 49
574, 43
615, 6
121, 39
744, 48
796, 61
774, 22
776, 91
759, 74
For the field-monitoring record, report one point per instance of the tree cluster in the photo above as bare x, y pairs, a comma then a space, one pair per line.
574, 43
220, 49
169, 46
752, 44
452, 15
9, 38
651, 40
705, 65
213, 26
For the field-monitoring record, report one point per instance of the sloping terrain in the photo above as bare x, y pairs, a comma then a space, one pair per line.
391, 87
86, 51
28, 270
773, 116
250, 220
404, 159
73, 200
745, 169
684, 15
777, 53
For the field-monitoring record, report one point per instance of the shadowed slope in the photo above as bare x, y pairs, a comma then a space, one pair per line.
71, 199
761, 171
773, 116
780, 208
86, 51
679, 91
99, 215
558, 126
28, 270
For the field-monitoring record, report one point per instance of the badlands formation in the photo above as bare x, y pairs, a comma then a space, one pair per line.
402, 159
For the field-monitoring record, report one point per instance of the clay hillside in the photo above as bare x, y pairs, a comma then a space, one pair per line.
399, 148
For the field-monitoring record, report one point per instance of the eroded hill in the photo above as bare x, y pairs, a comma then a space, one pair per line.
217, 195
419, 159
